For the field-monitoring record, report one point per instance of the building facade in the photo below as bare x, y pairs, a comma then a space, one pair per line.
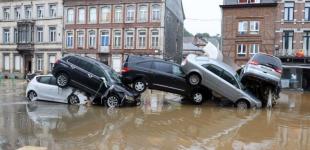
109, 30
31, 36
278, 27
247, 28
292, 43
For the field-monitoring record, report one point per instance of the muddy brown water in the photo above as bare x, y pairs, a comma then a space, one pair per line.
158, 123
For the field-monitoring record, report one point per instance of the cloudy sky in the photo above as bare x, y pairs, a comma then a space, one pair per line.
203, 16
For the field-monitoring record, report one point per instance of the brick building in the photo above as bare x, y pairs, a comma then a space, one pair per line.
110, 29
31, 36
292, 43
247, 28
278, 27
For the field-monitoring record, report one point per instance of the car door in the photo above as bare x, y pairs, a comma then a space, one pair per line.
230, 86
82, 76
59, 94
163, 79
96, 80
44, 88
179, 80
213, 78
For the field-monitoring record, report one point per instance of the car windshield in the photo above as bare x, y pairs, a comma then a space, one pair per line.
113, 76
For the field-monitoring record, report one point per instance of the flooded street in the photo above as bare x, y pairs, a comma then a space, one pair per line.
161, 122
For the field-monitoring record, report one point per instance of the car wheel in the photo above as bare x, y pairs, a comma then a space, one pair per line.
242, 105
112, 101
32, 95
194, 79
62, 80
197, 97
73, 99
139, 86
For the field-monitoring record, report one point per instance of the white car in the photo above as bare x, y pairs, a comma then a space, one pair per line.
43, 87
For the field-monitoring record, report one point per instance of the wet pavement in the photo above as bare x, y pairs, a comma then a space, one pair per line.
161, 122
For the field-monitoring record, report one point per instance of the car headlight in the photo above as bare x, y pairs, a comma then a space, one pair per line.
129, 98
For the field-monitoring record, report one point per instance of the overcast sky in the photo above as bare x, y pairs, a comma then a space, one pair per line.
203, 16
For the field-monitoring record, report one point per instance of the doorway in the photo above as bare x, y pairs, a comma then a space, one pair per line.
306, 80
28, 64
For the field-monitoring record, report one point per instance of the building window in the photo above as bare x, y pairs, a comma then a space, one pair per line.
15, 36
69, 39
81, 18
92, 15
142, 39
241, 50
80, 38
39, 62
105, 14
288, 42
248, 1
17, 13
6, 13
92, 39
254, 49
156, 12
117, 39
40, 11
307, 43
289, 11
143, 13
243, 27
129, 39
254, 27
52, 60
307, 11
53, 11
155, 39
40, 34
118, 14
105, 38
70, 15
6, 36
6, 62
17, 63
28, 11
130, 13
52, 33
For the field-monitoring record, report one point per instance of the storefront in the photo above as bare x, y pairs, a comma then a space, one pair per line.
296, 77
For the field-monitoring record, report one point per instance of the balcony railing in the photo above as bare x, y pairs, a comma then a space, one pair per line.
25, 47
292, 53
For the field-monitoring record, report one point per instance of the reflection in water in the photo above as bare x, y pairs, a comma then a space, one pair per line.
156, 124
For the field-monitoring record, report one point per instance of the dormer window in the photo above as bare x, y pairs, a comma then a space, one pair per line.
248, 1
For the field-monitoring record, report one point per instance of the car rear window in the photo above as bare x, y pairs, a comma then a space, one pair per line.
267, 60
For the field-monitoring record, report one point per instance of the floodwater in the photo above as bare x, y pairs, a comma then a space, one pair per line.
161, 122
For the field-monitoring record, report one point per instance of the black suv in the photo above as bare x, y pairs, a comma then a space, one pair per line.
94, 78
146, 72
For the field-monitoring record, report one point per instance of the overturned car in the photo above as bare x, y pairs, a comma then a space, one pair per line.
262, 76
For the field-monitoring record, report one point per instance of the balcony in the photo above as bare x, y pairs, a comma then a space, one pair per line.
25, 36
104, 49
294, 56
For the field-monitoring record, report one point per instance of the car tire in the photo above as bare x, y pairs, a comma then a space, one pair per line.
197, 97
139, 86
242, 105
194, 79
31, 95
73, 99
62, 80
112, 101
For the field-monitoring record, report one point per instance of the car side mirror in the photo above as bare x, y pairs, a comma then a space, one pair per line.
104, 80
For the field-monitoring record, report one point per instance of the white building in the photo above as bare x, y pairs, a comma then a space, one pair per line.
30, 36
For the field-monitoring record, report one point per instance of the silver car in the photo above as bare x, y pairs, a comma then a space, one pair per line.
220, 78
262, 75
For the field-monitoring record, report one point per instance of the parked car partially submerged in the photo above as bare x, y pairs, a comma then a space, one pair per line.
262, 75
43, 87
220, 78
96, 79
153, 73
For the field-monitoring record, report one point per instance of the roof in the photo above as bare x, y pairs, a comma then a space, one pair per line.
220, 64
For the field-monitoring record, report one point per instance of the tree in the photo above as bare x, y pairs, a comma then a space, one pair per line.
187, 33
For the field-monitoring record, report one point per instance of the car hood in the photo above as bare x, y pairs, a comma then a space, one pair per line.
126, 90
